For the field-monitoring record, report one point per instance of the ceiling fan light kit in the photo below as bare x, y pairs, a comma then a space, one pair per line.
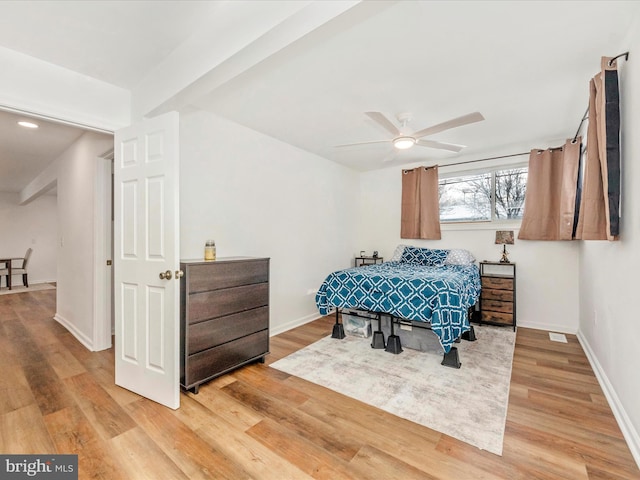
402, 143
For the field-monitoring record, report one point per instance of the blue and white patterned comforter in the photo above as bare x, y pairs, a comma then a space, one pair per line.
438, 295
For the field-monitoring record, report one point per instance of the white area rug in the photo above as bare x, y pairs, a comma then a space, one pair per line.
21, 288
469, 403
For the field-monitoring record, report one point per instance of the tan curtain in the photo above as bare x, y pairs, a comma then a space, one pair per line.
420, 216
600, 204
549, 204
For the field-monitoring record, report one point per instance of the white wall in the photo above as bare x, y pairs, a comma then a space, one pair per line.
33, 225
257, 196
609, 320
76, 173
547, 284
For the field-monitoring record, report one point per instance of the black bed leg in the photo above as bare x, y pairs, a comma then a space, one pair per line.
393, 342
378, 336
338, 328
451, 359
469, 335
378, 339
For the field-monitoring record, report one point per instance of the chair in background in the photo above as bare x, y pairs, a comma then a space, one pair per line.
21, 269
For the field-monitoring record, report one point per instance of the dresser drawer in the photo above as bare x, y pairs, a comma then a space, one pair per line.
218, 303
214, 361
221, 330
497, 283
496, 317
215, 276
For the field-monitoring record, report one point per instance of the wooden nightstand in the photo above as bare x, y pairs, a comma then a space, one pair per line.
498, 295
362, 261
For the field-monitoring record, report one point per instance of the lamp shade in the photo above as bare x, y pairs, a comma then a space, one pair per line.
504, 237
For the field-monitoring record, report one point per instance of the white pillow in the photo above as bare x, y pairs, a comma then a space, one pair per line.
459, 256
397, 255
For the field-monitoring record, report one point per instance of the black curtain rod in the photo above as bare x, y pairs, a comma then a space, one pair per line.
487, 159
584, 117
586, 113
625, 55
497, 158
469, 161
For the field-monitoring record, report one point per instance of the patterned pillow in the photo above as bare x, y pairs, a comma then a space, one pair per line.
397, 255
459, 256
424, 256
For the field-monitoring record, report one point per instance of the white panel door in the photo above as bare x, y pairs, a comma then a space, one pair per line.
146, 259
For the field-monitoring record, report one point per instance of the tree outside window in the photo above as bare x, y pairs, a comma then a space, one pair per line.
496, 195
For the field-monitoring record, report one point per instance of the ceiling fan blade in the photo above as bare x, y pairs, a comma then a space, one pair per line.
456, 122
362, 143
383, 121
440, 145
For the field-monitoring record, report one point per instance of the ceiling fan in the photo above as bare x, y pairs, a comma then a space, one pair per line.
404, 138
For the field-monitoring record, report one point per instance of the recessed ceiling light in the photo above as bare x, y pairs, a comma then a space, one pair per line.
28, 124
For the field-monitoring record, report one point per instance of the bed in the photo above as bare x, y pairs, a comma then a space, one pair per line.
436, 287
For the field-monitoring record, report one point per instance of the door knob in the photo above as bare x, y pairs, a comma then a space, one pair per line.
179, 274
165, 275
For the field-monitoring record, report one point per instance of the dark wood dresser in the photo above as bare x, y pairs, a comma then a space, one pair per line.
224, 316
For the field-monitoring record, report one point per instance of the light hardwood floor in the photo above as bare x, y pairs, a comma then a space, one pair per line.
258, 422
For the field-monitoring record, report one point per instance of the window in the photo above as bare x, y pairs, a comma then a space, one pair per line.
483, 197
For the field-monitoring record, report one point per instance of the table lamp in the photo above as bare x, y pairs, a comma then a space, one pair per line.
504, 238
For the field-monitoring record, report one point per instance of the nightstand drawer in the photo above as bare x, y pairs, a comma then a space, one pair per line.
501, 295
497, 317
497, 283
497, 306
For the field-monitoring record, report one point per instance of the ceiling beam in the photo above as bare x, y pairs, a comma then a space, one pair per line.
207, 60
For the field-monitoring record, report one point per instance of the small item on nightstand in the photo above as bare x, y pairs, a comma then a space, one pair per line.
362, 253
210, 250
505, 255
375, 254
504, 237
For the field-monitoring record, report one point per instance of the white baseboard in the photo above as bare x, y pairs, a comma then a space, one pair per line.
293, 324
628, 431
31, 281
549, 327
81, 337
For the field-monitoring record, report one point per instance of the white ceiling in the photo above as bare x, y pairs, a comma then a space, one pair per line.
25, 152
117, 41
524, 65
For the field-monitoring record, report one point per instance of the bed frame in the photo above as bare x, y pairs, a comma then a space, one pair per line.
393, 343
